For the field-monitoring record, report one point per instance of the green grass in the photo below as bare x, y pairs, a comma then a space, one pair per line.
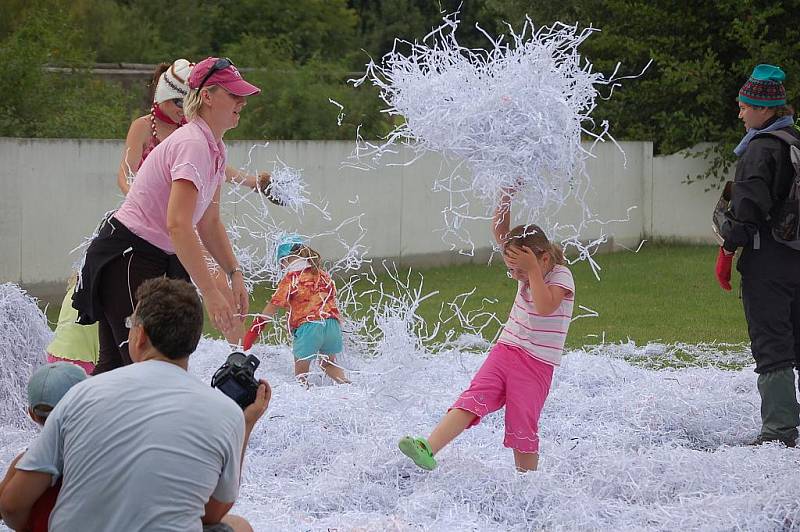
664, 293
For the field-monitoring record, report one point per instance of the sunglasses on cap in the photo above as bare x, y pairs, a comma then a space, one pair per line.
220, 64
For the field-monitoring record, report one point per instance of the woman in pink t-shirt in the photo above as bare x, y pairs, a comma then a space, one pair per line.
170, 87
174, 199
519, 369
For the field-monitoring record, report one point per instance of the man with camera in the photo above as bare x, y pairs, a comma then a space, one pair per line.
146, 446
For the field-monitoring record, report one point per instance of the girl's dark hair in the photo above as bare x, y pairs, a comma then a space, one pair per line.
160, 69
532, 236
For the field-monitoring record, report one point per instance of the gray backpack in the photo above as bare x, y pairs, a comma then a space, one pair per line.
785, 222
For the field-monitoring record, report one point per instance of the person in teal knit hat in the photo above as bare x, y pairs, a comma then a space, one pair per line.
765, 87
770, 282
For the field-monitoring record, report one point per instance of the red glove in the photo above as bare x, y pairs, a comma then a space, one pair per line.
723, 269
252, 335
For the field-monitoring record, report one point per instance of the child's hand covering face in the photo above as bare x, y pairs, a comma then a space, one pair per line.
523, 261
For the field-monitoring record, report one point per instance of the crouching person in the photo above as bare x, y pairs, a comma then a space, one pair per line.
146, 446
46, 387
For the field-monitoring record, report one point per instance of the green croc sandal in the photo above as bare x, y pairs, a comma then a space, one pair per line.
419, 450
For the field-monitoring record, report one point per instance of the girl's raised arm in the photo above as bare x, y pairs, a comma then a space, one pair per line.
501, 221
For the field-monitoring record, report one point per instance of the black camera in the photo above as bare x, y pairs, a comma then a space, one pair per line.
236, 378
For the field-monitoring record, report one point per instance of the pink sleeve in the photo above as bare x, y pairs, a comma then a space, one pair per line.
562, 277
190, 160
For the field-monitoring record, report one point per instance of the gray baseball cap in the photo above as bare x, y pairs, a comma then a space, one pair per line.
50, 382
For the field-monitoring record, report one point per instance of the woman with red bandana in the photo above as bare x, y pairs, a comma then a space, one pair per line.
173, 200
165, 116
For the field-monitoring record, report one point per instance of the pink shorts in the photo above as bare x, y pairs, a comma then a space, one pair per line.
510, 376
88, 367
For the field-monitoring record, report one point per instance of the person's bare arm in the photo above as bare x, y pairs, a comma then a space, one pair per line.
546, 298
262, 183
181, 205
215, 238
10, 473
269, 311
182, 200
239, 177
501, 221
214, 509
19, 496
132, 154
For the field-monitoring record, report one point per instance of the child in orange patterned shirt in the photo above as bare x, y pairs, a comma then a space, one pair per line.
309, 295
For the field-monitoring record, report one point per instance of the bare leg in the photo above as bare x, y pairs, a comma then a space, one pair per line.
333, 371
451, 425
526, 461
301, 369
238, 524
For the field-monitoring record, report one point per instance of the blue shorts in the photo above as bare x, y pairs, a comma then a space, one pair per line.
315, 337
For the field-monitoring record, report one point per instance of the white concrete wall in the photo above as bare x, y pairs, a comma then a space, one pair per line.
53, 192
678, 210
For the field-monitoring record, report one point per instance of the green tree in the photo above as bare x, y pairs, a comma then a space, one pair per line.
383, 21
37, 103
113, 31
294, 103
702, 53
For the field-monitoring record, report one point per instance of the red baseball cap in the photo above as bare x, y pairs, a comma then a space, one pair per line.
223, 73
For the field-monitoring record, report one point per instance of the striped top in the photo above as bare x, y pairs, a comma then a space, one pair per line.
541, 336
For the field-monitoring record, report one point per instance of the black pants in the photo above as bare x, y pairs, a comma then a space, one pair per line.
118, 282
772, 310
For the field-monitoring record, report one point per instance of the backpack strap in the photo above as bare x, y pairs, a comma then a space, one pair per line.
783, 135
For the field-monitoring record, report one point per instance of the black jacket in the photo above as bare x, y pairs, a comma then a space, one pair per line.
764, 175
113, 241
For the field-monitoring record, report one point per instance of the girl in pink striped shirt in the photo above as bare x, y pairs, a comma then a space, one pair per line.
519, 369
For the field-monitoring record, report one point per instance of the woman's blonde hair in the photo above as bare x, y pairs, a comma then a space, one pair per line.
532, 236
194, 101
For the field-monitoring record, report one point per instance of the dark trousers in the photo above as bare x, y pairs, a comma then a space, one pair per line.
118, 282
772, 310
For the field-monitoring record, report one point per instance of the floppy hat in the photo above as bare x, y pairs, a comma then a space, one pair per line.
172, 83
